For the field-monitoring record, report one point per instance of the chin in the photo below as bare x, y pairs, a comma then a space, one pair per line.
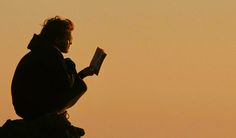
65, 51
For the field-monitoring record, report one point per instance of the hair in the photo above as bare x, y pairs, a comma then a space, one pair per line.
56, 28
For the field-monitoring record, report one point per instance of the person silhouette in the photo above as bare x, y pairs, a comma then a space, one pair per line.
45, 84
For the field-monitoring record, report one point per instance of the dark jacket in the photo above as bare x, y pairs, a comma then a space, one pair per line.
44, 82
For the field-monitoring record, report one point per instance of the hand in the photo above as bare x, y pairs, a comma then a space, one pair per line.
86, 72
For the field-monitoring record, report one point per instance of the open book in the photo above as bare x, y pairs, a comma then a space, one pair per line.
97, 60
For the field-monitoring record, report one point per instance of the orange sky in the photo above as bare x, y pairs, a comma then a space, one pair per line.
170, 70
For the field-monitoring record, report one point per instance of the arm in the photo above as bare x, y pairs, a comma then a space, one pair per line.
67, 87
78, 79
85, 72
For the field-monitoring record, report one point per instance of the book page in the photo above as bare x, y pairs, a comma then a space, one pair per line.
97, 60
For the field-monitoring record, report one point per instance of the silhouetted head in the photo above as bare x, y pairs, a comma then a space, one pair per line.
57, 31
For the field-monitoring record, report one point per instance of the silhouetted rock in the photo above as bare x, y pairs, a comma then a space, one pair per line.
39, 129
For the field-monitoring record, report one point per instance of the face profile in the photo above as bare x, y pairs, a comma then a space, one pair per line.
64, 45
57, 32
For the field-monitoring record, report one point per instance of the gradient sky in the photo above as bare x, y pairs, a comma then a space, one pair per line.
170, 70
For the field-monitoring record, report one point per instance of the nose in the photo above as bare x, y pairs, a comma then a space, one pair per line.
69, 42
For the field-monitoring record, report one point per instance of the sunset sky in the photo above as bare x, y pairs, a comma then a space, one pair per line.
170, 70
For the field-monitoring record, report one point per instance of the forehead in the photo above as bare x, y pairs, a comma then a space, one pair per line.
69, 35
